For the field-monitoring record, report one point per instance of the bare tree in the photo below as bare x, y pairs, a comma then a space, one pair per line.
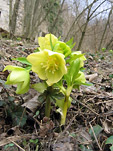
87, 21
13, 16
105, 29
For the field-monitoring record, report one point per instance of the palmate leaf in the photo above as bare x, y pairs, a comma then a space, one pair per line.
22, 60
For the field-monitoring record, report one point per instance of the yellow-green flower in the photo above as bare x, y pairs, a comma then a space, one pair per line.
48, 65
78, 54
61, 47
47, 41
19, 76
81, 78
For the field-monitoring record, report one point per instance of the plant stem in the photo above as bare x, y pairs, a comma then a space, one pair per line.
63, 117
48, 107
66, 104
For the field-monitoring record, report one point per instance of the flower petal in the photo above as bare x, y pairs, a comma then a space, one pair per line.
40, 71
37, 58
44, 42
11, 68
53, 77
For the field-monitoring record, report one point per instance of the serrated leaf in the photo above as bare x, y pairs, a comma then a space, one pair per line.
109, 140
40, 87
97, 130
22, 60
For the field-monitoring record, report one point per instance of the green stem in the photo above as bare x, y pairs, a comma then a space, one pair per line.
63, 117
66, 103
48, 107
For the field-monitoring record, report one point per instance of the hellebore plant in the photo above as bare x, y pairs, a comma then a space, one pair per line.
57, 66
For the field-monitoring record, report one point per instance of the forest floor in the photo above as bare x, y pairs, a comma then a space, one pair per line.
89, 123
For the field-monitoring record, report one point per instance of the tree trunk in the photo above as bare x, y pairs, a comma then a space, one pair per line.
13, 16
105, 29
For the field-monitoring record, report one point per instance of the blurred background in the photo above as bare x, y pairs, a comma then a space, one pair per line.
89, 22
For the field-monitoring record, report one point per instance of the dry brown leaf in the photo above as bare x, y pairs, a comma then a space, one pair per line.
91, 77
106, 126
32, 104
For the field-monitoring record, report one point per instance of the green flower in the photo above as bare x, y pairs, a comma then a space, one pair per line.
47, 42
79, 80
48, 65
19, 76
78, 54
61, 47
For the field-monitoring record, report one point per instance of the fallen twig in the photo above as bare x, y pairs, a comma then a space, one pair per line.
95, 136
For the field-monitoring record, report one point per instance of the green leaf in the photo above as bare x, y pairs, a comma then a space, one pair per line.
73, 71
109, 140
74, 57
40, 87
97, 129
8, 145
111, 75
41, 97
77, 84
84, 148
51, 43
70, 43
111, 148
4, 85
11, 98
22, 60
34, 141
60, 104
72, 135
58, 96
36, 114
17, 116
2, 103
